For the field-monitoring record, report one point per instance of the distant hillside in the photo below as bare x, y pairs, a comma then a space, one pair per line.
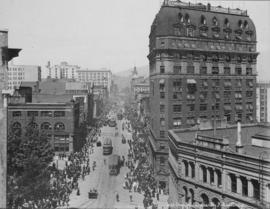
122, 78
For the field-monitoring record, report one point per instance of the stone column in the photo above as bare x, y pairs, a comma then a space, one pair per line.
227, 182
239, 185
250, 188
197, 172
208, 175
215, 177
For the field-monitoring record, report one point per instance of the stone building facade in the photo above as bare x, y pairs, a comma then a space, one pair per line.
263, 102
202, 67
229, 169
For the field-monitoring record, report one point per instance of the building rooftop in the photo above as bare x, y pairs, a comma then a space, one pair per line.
177, 14
255, 138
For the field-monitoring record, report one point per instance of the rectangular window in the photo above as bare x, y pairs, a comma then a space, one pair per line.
176, 69
176, 108
249, 93
177, 122
177, 95
249, 71
46, 114
203, 107
32, 113
249, 83
227, 71
162, 134
16, 113
215, 71
238, 71
203, 70
162, 95
190, 69
177, 85
162, 69
162, 122
162, 108
59, 113
191, 107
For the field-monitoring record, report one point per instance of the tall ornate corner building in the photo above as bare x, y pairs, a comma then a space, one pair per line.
202, 67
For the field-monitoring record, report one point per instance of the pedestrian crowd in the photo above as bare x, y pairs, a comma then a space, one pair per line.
62, 182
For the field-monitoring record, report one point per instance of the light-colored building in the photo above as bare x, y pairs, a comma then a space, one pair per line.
19, 73
102, 77
263, 101
229, 169
202, 62
62, 71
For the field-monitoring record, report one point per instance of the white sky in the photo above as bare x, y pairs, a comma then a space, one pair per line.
108, 33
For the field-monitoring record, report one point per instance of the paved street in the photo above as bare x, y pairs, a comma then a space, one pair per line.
106, 185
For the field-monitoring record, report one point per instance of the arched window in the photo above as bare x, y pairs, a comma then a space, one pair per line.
191, 196
185, 194
186, 167
203, 20
46, 126
180, 17
205, 200
187, 19
215, 21
240, 24
33, 125
217, 203
226, 23
246, 24
59, 126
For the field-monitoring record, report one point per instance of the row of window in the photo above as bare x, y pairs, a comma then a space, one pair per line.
215, 22
177, 108
203, 95
178, 121
42, 113
203, 70
59, 126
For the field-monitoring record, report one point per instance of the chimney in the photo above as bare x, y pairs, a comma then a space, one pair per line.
239, 146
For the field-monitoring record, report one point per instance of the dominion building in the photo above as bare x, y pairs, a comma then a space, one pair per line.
202, 68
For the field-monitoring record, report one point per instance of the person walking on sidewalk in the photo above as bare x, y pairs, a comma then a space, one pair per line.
117, 197
130, 196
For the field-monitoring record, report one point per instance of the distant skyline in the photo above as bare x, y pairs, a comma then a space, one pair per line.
103, 34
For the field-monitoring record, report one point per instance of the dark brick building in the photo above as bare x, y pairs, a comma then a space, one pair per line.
202, 67
60, 121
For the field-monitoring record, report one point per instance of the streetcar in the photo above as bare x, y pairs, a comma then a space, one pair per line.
114, 165
107, 147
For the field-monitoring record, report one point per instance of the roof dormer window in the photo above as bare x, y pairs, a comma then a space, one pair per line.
215, 21
226, 23
180, 17
240, 24
203, 20
187, 19
246, 25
